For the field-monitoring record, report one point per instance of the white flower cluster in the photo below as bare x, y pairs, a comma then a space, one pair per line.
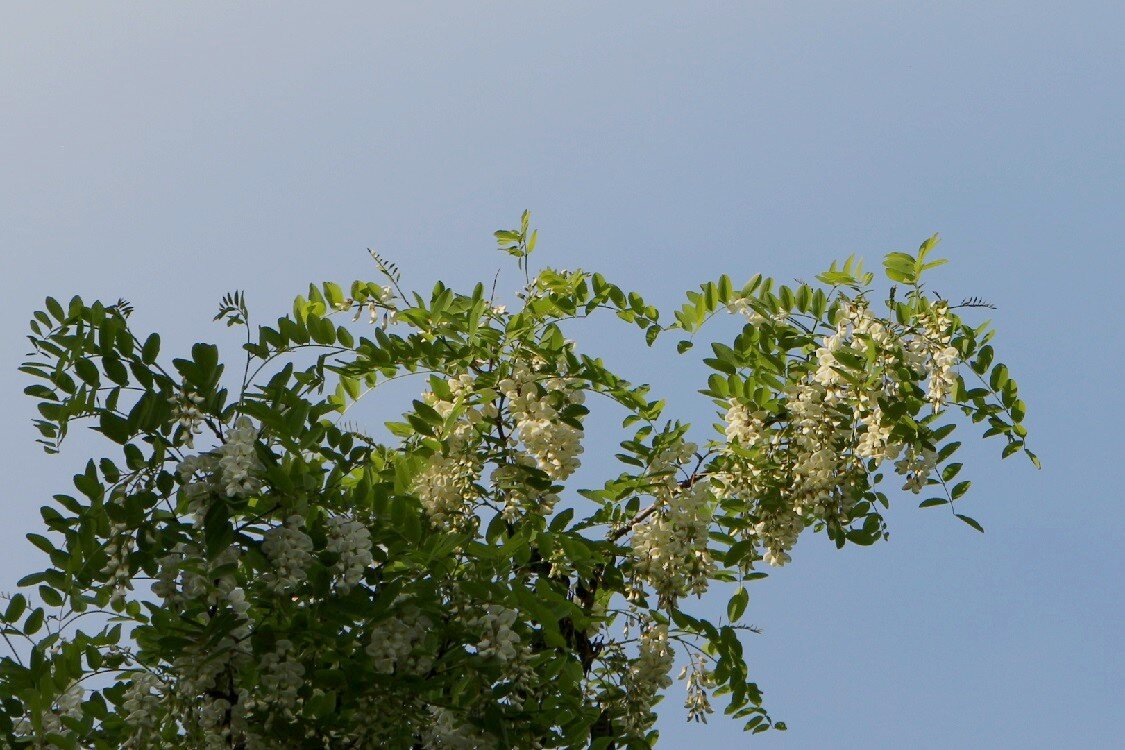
211, 719
281, 675
385, 295
202, 665
232, 469
238, 460
498, 639
930, 353
554, 444
699, 682
916, 466
815, 451
117, 549
670, 546
832, 425
875, 442
185, 410
289, 549
396, 643
743, 426
447, 731
778, 532
203, 671
197, 475
647, 677
445, 485
142, 704
184, 574
69, 704
351, 540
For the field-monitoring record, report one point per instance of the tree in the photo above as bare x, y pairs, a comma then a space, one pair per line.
249, 570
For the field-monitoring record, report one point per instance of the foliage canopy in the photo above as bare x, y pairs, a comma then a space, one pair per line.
250, 570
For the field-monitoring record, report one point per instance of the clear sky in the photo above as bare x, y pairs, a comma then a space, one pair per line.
169, 153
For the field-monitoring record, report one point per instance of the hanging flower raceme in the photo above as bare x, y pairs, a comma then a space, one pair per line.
398, 644
238, 460
498, 640
281, 676
142, 705
534, 402
671, 547
699, 684
186, 411
351, 541
446, 484
117, 550
647, 677
233, 470
447, 731
289, 550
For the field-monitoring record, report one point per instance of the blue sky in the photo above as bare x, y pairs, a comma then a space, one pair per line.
171, 153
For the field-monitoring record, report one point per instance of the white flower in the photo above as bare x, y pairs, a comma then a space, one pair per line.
670, 546
445, 485
916, 466
699, 681
446, 731
281, 675
396, 643
289, 548
350, 540
185, 409
743, 427
647, 677
554, 444
238, 460
117, 549
498, 639
142, 705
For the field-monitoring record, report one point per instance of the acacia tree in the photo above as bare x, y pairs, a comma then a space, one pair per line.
249, 570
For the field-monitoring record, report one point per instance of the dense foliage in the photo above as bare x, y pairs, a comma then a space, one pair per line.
250, 570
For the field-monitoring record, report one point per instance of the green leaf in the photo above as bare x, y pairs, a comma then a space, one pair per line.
87, 371
736, 607
50, 596
334, 294
42, 542
427, 413
114, 427
15, 608
115, 370
998, 378
217, 531
151, 349
900, 267
56, 309
950, 471
971, 522
206, 356
34, 621
1018, 410
983, 360
321, 705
